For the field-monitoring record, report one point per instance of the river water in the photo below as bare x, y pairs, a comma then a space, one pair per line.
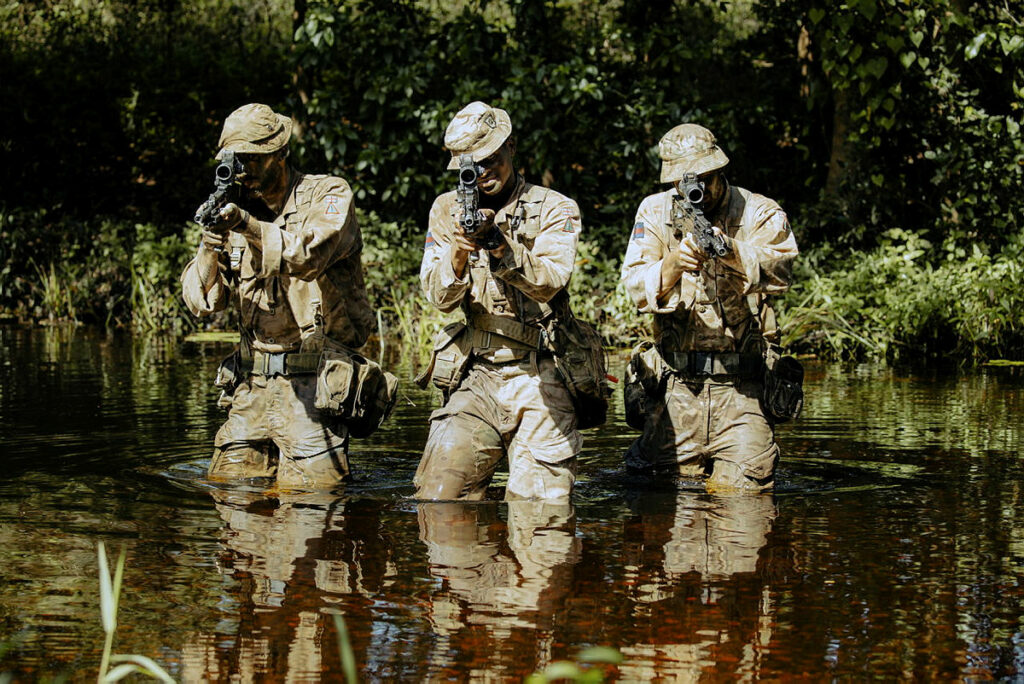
892, 549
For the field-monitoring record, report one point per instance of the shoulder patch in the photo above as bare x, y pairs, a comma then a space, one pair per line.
331, 205
569, 227
638, 230
429, 241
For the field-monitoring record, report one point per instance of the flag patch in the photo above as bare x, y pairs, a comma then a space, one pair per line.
638, 230
332, 205
430, 240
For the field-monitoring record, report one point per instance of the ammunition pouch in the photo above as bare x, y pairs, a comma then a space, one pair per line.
644, 383
580, 360
449, 359
355, 389
230, 374
782, 397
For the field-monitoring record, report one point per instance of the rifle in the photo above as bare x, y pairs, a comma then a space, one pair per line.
225, 178
686, 211
468, 195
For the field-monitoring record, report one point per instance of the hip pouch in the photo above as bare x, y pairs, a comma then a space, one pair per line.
449, 361
230, 374
644, 384
579, 358
783, 394
355, 389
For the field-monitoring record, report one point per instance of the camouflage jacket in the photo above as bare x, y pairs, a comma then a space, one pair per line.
305, 262
542, 229
711, 310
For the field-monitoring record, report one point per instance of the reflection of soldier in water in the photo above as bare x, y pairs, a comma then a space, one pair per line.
289, 555
501, 583
693, 581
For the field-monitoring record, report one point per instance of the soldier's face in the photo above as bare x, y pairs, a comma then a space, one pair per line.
263, 172
497, 170
714, 189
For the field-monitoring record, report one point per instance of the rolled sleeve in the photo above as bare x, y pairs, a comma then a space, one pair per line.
198, 301
441, 286
648, 245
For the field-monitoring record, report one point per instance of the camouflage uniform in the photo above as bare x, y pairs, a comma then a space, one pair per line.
511, 402
299, 281
711, 326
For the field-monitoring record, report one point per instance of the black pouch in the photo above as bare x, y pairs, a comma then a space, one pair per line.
644, 383
579, 358
355, 389
783, 393
229, 375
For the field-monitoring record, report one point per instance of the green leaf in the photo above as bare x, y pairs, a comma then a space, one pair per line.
561, 669
908, 58
878, 179
867, 8
916, 37
877, 66
816, 15
972, 49
146, 666
600, 654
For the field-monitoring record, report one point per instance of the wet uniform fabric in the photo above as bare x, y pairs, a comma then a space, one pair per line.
711, 422
299, 282
511, 403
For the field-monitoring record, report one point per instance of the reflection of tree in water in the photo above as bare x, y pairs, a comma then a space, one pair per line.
697, 602
501, 583
289, 555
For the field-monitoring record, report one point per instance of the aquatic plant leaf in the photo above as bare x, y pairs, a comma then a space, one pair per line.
144, 665
600, 654
108, 605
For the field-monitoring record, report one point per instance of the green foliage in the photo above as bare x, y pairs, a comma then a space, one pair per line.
858, 116
908, 299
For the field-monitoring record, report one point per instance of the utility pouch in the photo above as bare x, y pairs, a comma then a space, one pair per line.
229, 375
449, 360
783, 394
355, 389
579, 358
644, 383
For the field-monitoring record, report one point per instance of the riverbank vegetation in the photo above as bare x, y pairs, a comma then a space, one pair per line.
888, 129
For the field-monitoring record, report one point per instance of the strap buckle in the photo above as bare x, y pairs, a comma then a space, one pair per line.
701, 363
274, 364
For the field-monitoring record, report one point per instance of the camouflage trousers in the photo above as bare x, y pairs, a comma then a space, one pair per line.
520, 411
705, 425
273, 430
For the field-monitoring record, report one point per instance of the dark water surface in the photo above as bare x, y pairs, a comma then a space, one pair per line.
893, 548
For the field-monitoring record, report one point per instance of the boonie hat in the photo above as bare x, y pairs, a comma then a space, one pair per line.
255, 129
689, 148
478, 130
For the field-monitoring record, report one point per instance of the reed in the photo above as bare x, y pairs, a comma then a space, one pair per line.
110, 594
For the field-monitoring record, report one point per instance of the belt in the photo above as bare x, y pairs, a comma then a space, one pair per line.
284, 363
701, 364
491, 332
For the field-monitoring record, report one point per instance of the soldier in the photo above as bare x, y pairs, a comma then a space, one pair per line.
503, 395
712, 320
291, 249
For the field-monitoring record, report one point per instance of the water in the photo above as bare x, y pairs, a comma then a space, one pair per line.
893, 548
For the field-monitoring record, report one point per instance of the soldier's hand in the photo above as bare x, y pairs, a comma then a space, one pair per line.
212, 241
229, 216
689, 255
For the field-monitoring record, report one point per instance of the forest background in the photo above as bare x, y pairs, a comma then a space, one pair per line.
889, 130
